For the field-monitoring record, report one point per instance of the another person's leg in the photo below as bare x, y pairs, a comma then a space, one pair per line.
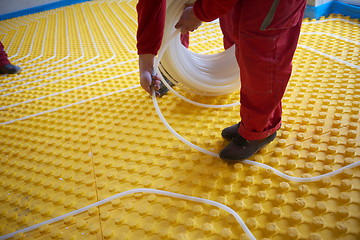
266, 40
5, 65
3, 56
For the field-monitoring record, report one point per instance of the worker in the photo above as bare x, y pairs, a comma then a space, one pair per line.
265, 33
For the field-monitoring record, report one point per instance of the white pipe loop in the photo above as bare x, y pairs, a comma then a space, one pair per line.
212, 74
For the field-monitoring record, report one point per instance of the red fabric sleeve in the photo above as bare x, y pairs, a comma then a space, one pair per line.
209, 10
151, 22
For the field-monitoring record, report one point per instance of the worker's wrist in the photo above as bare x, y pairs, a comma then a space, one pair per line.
146, 62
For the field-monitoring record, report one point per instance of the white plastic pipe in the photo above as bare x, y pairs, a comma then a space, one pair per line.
213, 74
129, 192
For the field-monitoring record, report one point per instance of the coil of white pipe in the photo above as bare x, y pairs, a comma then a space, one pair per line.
212, 74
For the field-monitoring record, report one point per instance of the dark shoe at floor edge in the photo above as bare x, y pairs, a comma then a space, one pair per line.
10, 69
240, 149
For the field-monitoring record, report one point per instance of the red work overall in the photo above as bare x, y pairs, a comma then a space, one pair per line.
266, 33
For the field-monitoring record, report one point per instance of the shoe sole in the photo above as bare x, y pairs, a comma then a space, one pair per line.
244, 158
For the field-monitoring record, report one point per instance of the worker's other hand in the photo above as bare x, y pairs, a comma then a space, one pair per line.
188, 22
148, 79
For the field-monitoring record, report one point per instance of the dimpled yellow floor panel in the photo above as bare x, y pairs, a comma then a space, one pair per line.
77, 128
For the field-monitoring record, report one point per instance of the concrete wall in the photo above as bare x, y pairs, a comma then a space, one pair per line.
16, 8
316, 3
353, 2
9, 6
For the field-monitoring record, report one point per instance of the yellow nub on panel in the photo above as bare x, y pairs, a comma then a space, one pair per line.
77, 128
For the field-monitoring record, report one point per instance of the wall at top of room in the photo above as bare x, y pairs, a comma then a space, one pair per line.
320, 2
16, 8
7, 6
315, 8
353, 2
318, 8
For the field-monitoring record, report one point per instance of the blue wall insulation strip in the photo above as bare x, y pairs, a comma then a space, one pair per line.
332, 7
346, 9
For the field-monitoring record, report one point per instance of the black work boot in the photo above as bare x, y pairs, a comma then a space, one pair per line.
230, 132
239, 148
10, 69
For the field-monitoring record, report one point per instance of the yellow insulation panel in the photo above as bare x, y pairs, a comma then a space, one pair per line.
77, 128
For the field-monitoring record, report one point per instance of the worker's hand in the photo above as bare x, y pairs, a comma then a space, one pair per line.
148, 79
188, 21
149, 82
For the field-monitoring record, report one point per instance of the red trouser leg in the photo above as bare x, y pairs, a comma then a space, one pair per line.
3, 56
264, 58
